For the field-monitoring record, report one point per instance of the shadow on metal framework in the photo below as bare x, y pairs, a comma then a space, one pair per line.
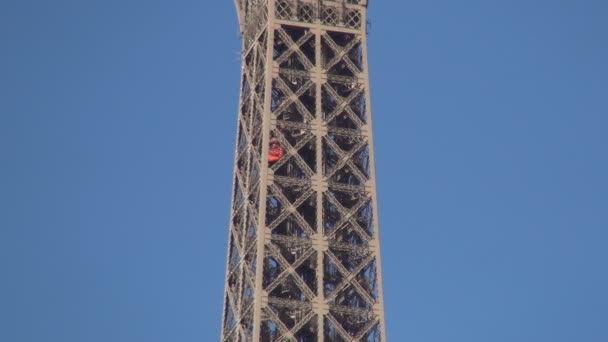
304, 253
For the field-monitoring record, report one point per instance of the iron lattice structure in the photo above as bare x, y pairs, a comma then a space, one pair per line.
303, 253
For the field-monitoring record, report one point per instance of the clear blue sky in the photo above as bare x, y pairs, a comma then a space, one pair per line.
117, 123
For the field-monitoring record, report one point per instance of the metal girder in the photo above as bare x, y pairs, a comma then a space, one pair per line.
303, 259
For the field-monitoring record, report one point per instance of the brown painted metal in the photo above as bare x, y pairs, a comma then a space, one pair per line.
303, 251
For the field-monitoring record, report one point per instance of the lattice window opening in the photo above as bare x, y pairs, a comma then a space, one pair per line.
331, 216
234, 257
294, 47
353, 324
254, 160
347, 199
293, 192
234, 282
254, 178
252, 5
251, 259
302, 86
337, 114
287, 109
346, 142
269, 331
293, 62
342, 39
367, 279
308, 333
308, 211
246, 113
335, 167
328, 102
291, 250
289, 316
332, 277
247, 295
258, 113
365, 218
238, 221
283, 9
361, 161
293, 113
247, 91
289, 168
309, 100
358, 106
341, 68
346, 176
254, 26
295, 82
247, 324
327, 53
276, 204
344, 90
273, 207
329, 16
288, 289
260, 63
301, 37
350, 258
349, 47
355, 54
257, 140
309, 50
350, 235
272, 271
302, 140
277, 96
306, 13
245, 87
352, 19
307, 272
279, 47
251, 225
263, 39
259, 94
249, 60
350, 297
292, 167
344, 120
330, 332
289, 227
260, 86
290, 137
250, 240
233, 337
241, 163
242, 143
294, 134
351, 168
299, 164
374, 335
230, 320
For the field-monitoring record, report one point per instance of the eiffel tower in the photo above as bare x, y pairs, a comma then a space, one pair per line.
303, 252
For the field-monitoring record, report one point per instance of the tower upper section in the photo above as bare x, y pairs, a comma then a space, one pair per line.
333, 13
